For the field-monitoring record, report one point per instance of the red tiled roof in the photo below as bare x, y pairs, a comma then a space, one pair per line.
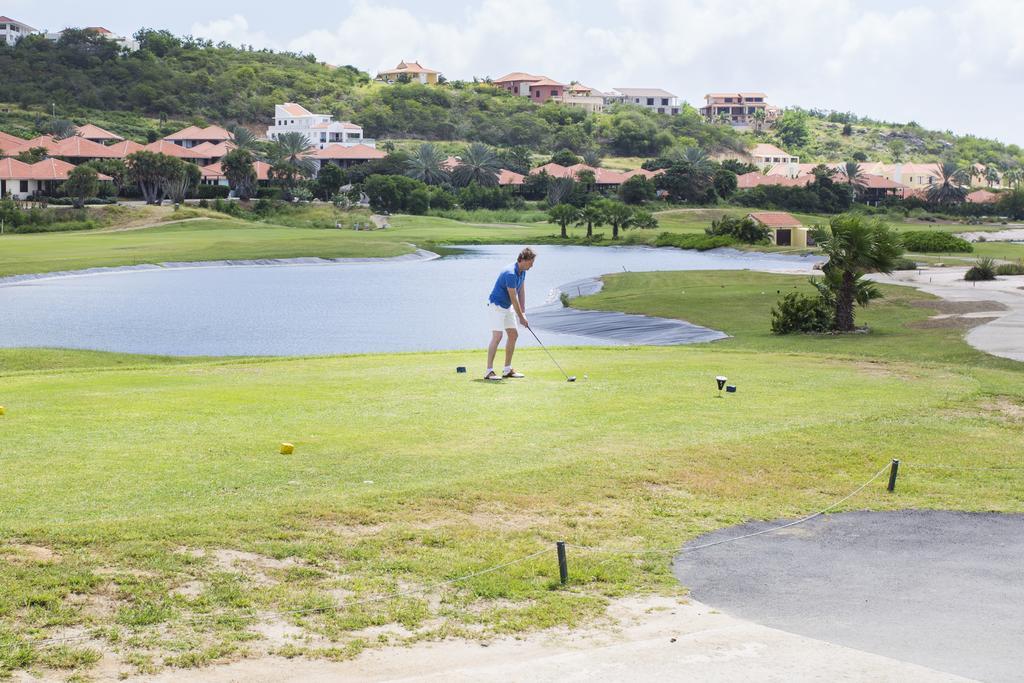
216, 171
172, 150
354, 152
776, 219
507, 177
982, 197
754, 179
602, 176
10, 144
44, 141
78, 147
210, 150
47, 169
410, 67
517, 76
91, 132
296, 109
125, 148
546, 81
210, 133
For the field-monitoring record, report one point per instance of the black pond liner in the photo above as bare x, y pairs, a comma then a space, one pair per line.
621, 328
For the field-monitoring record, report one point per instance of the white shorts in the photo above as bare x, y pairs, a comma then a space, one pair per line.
501, 318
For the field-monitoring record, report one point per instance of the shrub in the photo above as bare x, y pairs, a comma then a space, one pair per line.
984, 269
905, 264
934, 241
212, 191
801, 313
1016, 268
269, 193
744, 229
692, 241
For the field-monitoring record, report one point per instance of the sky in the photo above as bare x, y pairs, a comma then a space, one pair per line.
948, 65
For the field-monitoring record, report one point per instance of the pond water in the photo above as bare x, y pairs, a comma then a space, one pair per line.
299, 309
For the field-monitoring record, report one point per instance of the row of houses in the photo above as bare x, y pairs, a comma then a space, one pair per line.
738, 109
11, 31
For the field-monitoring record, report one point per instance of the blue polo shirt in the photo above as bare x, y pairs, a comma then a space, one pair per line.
511, 277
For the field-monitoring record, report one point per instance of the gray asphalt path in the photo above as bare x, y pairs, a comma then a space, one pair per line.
940, 589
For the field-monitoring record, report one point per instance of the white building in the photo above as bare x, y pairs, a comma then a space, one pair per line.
12, 31
654, 99
320, 129
122, 41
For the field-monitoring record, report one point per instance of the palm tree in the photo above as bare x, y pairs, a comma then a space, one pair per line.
243, 138
992, 177
61, 129
855, 245
759, 117
618, 215
563, 214
289, 160
1013, 177
950, 186
591, 157
697, 158
855, 177
479, 164
591, 215
427, 165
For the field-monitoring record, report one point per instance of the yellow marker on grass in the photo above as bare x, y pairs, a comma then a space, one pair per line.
2, 411
287, 448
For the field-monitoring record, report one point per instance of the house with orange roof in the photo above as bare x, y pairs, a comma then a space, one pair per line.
539, 89
982, 197
78, 150
11, 145
213, 151
24, 181
603, 178
193, 136
213, 174
740, 109
414, 72
784, 229
173, 150
97, 134
344, 156
764, 154
320, 130
12, 30
123, 42
125, 148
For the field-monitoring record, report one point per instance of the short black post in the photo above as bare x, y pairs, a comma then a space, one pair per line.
893, 469
563, 566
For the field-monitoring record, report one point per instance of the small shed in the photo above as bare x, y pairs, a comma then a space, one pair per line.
785, 230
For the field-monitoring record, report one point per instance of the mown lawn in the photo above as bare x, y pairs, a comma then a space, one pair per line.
149, 511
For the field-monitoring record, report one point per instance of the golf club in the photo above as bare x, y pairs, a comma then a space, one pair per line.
568, 378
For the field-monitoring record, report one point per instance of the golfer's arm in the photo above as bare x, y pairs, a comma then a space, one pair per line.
522, 298
516, 303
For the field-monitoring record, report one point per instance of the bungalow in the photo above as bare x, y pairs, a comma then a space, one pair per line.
194, 136
505, 176
414, 71
125, 148
173, 149
78, 150
320, 130
19, 180
346, 155
97, 134
603, 178
539, 89
755, 179
213, 174
875, 189
212, 152
982, 197
785, 230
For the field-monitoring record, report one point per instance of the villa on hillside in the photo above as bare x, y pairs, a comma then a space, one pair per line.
320, 129
655, 99
769, 155
123, 42
11, 30
193, 136
539, 89
739, 109
414, 71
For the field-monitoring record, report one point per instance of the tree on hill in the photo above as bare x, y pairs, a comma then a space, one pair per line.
82, 183
237, 166
479, 164
792, 129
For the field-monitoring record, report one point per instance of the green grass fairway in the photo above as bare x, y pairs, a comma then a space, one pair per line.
151, 512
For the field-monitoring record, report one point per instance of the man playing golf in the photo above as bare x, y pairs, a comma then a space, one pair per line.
507, 304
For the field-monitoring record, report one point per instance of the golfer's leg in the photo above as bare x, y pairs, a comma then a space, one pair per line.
492, 348
510, 345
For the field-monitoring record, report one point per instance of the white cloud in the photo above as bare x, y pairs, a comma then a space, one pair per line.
234, 30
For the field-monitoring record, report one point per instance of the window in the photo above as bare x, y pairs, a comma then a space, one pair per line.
650, 101
675, 110
554, 93
664, 100
23, 186
661, 110
323, 137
